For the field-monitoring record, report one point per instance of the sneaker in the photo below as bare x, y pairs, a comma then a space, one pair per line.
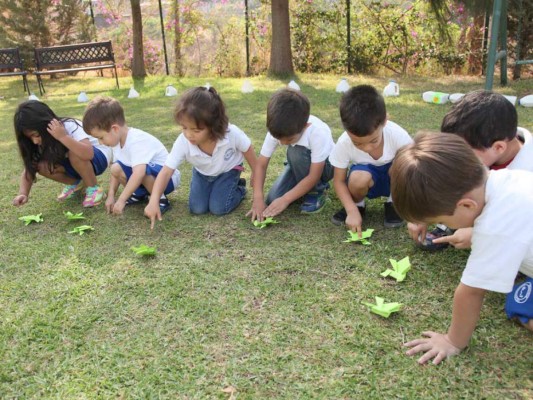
314, 202
438, 232
93, 196
340, 216
134, 199
69, 190
392, 219
164, 205
242, 182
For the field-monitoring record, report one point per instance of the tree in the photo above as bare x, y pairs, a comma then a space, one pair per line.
137, 62
178, 64
280, 54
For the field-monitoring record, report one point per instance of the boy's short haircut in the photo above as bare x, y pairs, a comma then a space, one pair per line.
101, 113
362, 110
482, 118
287, 113
429, 176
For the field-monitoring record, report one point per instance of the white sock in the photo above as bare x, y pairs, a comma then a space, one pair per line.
360, 204
389, 199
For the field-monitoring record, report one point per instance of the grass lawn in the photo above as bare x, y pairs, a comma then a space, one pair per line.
226, 310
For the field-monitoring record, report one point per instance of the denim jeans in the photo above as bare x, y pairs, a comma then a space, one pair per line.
296, 169
219, 194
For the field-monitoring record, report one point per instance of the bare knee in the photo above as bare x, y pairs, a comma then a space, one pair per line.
360, 182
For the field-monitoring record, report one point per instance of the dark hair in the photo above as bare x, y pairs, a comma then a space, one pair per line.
206, 108
362, 110
33, 115
101, 113
482, 118
429, 176
287, 113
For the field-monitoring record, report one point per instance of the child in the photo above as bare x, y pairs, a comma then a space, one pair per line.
440, 179
488, 123
308, 170
367, 148
138, 156
58, 149
216, 150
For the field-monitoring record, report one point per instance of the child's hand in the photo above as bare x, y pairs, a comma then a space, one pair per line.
109, 203
20, 200
56, 129
461, 239
153, 212
438, 347
276, 207
417, 232
118, 208
354, 221
258, 207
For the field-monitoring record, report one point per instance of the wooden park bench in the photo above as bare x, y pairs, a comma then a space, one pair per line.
11, 65
60, 59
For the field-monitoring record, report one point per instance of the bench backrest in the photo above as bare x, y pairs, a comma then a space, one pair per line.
10, 58
71, 54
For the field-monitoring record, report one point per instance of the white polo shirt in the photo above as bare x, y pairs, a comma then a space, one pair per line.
227, 154
140, 148
524, 158
345, 153
502, 236
76, 132
316, 137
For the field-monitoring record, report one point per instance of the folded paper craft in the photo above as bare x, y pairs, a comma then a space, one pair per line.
81, 229
28, 219
354, 237
144, 250
382, 308
399, 269
265, 222
73, 217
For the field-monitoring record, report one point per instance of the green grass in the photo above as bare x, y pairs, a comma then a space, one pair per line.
274, 313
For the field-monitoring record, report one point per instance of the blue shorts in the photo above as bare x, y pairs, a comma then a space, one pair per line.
151, 169
380, 177
99, 163
519, 303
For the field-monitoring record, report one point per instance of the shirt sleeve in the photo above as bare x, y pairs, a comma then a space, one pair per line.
339, 157
269, 145
242, 141
75, 131
492, 264
178, 153
320, 143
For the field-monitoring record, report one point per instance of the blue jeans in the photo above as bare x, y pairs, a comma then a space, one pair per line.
219, 194
296, 169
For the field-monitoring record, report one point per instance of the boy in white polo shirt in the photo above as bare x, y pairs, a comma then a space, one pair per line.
363, 155
307, 170
440, 179
138, 156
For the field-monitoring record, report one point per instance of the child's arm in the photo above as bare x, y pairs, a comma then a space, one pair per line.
24, 190
83, 149
251, 159
258, 204
139, 171
353, 218
461, 239
152, 210
301, 189
467, 303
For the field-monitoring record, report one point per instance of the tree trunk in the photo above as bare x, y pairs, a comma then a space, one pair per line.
475, 38
280, 54
178, 64
137, 62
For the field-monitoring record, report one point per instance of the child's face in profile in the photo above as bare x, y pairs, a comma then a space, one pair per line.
290, 139
368, 143
196, 135
462, 217
34, 136
106, 138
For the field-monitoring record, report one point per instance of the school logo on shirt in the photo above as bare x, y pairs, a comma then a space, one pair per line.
523, 292
228, 154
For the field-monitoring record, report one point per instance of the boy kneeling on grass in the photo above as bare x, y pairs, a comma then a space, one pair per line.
439, 179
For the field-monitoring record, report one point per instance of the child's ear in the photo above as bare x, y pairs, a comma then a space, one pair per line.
115, 128
468, 203
499, 146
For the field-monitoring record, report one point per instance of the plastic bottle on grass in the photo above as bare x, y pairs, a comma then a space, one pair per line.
392, 89
436, 97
